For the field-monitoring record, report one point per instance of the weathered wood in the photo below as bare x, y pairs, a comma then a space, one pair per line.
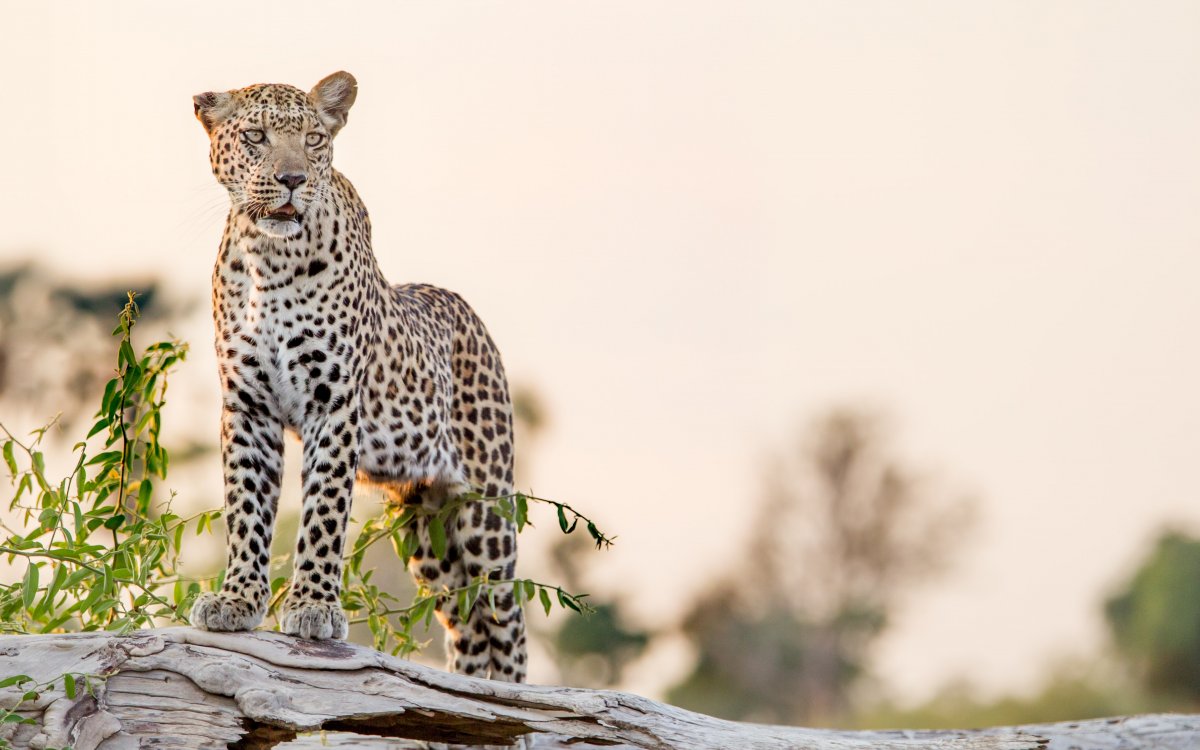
179, 688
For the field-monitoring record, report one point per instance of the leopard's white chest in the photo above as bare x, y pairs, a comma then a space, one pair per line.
285, 347
278, 323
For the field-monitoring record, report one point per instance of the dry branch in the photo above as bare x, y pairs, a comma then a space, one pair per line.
188, 689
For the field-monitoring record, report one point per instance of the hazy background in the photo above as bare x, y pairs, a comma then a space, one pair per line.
695, 227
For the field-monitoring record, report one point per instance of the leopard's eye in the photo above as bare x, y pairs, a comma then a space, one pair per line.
254, 136
314, 139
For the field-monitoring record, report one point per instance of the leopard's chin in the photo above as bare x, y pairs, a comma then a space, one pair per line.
281, 228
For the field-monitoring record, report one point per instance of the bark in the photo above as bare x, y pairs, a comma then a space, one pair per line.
188, 689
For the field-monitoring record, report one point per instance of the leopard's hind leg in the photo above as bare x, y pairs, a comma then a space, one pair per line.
488, 545
467, 641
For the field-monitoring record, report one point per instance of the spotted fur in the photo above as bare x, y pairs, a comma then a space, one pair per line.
400, 386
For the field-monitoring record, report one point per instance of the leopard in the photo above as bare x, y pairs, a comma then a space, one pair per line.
397, 386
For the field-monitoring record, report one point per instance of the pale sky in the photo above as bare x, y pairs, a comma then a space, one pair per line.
695, 225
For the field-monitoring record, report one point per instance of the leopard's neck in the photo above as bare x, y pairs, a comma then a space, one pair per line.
335, 232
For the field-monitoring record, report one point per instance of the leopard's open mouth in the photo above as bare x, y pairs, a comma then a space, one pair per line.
286, 212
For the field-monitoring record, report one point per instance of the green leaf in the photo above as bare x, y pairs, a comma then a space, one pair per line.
567, 601
427, 610
144, 490
75, 578
16, 679
56, 623
29, 586
56, 583
126, 356
100, 426
9, 458
110, 389
115, 522
504, 509
437, 537
545, 597
103, 606
522, 514
48, 518
562, 519
24, 485
411, 543
69, 685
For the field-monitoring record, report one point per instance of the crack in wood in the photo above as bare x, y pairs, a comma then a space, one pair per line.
259, 736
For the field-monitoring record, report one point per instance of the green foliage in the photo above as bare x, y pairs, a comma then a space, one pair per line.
30, 690
393, 626
1155, 621
97, 550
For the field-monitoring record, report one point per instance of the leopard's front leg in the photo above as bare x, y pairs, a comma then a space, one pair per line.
252, 453
330, 435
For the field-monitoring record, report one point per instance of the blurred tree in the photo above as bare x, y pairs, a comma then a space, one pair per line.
591, 651
845, 531
1155, 621
54, 343
1155, 626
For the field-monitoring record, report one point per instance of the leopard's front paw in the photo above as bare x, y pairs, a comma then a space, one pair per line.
316, 620
225, 612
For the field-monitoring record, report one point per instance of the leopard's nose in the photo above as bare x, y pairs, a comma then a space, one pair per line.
292, 180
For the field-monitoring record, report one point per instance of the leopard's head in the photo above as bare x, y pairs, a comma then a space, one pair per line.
271, 147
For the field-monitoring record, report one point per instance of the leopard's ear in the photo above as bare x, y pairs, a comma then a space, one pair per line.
333, 97
212, 108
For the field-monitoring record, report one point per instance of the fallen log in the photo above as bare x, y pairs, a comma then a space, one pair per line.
180, 688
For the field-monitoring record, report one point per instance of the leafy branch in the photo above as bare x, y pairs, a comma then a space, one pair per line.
71, 579
28, 690
392, 626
